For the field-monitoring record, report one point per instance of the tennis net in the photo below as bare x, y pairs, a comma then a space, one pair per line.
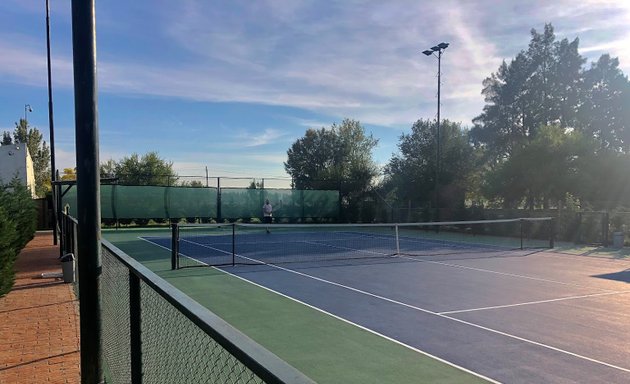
238, 243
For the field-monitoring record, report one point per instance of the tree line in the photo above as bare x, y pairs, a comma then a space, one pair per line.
552, 133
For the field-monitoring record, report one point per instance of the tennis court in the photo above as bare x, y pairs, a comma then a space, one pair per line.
502, 309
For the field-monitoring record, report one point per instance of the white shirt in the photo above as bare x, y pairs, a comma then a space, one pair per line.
267, 209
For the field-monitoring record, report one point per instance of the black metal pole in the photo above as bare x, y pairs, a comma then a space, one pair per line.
135, 331
174, 246
233, 244
219, 213
50, 121
88, 188
437, 161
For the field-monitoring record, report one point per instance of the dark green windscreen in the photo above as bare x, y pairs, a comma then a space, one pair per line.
155, 202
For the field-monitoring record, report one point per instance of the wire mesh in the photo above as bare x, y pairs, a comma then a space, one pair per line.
178, 340
115, 319
175, 350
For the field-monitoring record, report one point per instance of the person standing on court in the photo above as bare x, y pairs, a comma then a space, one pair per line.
267, 213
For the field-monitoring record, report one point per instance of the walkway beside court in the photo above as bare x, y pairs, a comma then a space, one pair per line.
39, 321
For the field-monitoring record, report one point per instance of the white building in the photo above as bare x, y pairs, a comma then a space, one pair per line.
16, 161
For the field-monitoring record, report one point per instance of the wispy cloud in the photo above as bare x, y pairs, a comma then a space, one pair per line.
364, 62
268, 136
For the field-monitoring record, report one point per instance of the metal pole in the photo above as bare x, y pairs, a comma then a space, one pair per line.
174, 246
50, 121
219, 213
135, 328
437, 165
88, 188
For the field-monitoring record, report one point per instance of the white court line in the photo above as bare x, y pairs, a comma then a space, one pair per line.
533, 302
454, 319
507, 274
338, 317
546, 346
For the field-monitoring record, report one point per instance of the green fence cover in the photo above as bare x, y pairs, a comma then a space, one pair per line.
156, 202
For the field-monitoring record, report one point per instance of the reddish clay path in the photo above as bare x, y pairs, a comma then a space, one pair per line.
39, 321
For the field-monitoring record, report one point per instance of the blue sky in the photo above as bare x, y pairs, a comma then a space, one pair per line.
231, 84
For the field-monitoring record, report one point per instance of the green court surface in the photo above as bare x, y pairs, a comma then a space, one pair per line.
326, 349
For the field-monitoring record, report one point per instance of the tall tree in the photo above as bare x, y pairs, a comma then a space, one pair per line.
410, 174
40, 154
540, 173
605, 111
539, 87
338, 158
69, 174
6, 138
148, 169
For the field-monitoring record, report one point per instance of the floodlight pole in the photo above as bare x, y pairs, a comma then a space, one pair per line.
51, 124
439, 49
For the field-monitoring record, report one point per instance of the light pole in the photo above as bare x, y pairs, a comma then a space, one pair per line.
439, 49
51, 125
27, 108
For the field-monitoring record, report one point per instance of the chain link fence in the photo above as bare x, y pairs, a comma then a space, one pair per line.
153, 333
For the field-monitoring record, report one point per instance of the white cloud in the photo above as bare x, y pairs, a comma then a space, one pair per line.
364, 62
268, 136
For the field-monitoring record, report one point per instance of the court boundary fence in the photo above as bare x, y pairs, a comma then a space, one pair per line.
152, 332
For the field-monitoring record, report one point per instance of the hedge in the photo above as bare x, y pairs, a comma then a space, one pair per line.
18, 221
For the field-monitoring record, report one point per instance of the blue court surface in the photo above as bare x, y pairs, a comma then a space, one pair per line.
506, 314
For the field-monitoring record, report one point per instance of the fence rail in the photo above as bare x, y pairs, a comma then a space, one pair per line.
153, 333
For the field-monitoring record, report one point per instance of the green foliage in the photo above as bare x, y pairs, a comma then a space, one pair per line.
40, 154
16, 200
8, 253
604, 113
539, 87
149, 169
6, 138
18, 218
335, 158
410, 174
541, 171
551, 128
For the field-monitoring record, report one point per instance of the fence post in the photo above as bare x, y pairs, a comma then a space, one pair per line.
174, 246
135, 320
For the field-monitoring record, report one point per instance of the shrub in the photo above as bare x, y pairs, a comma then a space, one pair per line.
18, 221
8, 253
16, 200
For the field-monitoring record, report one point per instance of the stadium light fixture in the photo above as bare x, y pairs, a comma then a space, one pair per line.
439, 49
27, 108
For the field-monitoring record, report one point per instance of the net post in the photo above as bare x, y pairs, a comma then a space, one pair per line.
397, 240
521, 223
233, 244
174, 246
552, 232
605, 225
